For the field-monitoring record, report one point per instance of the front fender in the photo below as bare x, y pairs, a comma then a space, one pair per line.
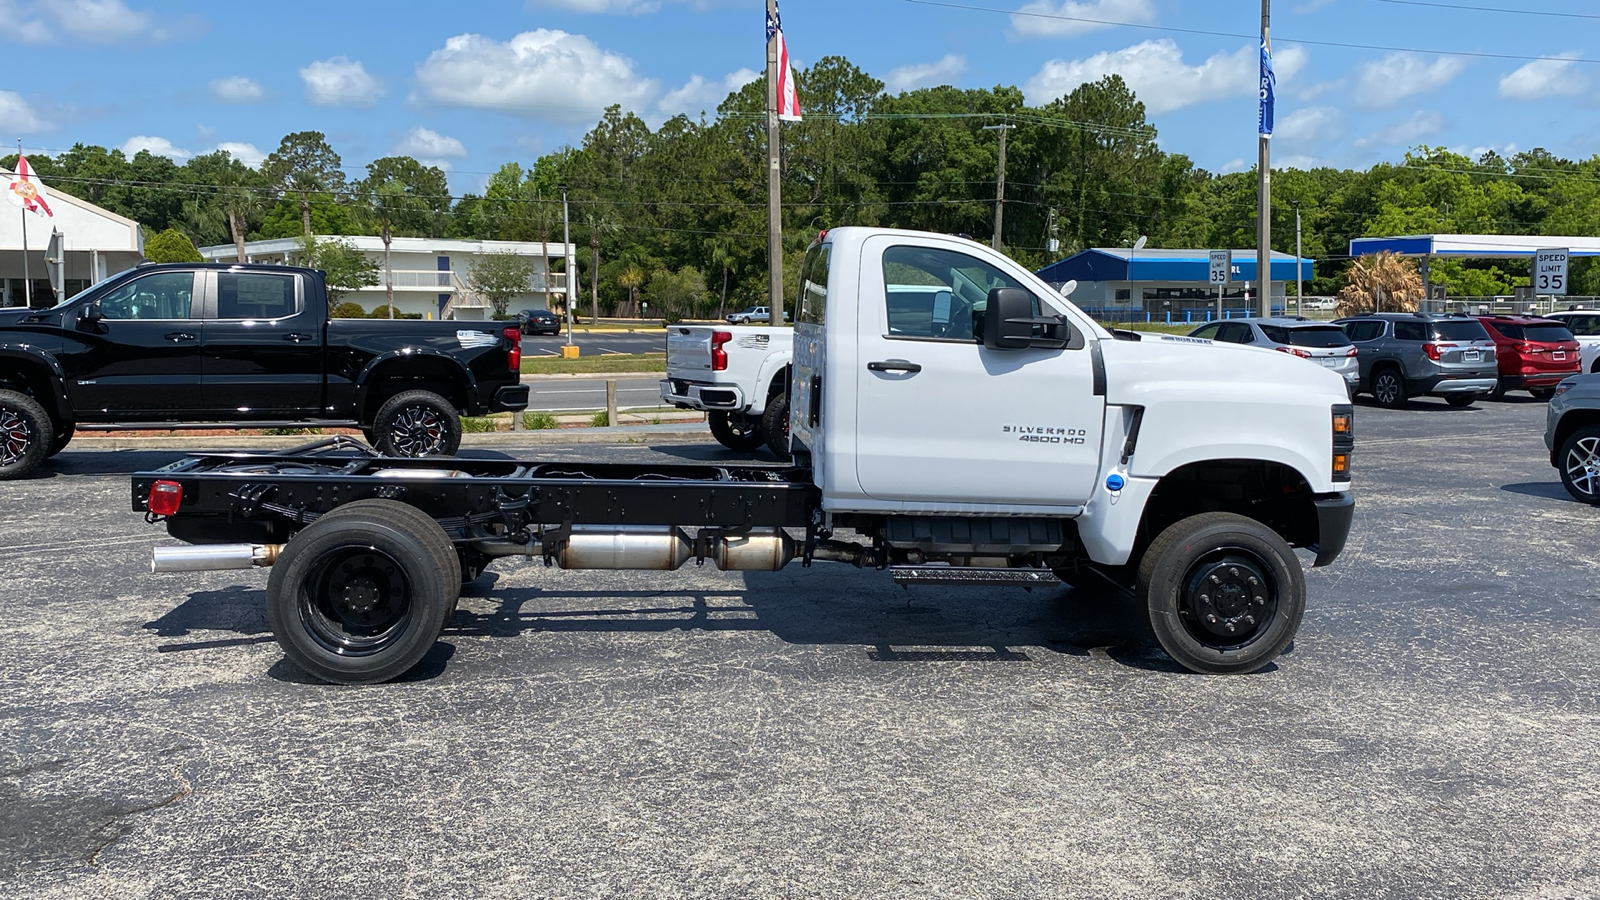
35, 356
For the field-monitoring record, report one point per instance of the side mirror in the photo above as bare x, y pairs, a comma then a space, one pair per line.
1010, 324
90, 314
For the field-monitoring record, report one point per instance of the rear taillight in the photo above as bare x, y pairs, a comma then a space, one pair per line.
1352, 352
1296, 351
165, 498
719, 356
1344, 440
514, 335
1432, 350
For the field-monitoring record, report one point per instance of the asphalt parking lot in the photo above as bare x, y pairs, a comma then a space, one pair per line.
1434, 732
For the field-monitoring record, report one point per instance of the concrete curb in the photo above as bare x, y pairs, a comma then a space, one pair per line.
672, 433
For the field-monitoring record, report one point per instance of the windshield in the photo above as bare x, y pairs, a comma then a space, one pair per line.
1459, 331
1549, 334
1319, 336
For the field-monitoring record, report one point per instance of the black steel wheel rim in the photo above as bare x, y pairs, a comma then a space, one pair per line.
16, 436
1387, 389
743, 425
357, 601
1582, 465
418, 431
1229, 599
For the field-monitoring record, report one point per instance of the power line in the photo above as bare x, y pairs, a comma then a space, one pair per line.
1498, 9
1234, 34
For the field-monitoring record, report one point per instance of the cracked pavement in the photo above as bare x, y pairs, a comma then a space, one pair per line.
1434, 732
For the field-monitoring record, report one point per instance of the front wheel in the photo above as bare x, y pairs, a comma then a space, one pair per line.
25, 435
736, 431
1389, 389
775, 422
1224, 593
1461, 400
1579, 463
417, 423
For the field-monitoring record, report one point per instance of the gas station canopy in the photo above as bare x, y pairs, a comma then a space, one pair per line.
1479, 246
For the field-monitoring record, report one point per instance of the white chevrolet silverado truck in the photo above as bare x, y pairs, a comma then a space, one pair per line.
953, 421
737, 374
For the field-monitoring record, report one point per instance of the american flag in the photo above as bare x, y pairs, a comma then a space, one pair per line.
788, 99
26, 191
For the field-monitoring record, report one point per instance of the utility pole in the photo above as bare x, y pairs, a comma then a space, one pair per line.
774, 182
566, 256
1264, 167
1051, 244
999, 184
1299, 303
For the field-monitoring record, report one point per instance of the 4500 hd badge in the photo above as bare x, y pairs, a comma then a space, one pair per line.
1044, 434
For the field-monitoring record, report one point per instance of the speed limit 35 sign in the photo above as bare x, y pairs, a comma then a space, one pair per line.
1550, 272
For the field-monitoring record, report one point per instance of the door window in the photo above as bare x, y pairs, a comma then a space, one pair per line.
1209, 332
1235, 333
939, 294
1410, 331
165, 295
249, 295
812, 305
1368, 330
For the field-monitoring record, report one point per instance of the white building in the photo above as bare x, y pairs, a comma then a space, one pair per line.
97, 244
430, 274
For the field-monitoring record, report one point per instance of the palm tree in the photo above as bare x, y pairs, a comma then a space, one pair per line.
632, 278
1381, 283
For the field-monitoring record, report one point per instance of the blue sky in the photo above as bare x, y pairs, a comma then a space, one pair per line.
471, 85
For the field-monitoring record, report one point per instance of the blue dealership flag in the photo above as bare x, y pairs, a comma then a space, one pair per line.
1269, 84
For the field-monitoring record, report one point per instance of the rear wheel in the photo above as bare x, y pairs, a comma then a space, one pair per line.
1389, 388
417, 423
736, 431
1542, 393
1460, 400
1498, 392
1224, 593
25, 435
775, 423
1579, 463
360, 595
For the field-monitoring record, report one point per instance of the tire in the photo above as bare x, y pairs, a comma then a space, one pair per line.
775, 424
1579, 464
736, 431
1389, 388
1499, 390
60, 440
1542, 393
26, 433
1461, 400
1199, 558
417, 423
360, 595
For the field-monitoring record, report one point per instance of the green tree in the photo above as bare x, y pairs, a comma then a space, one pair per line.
171, 246
344, 268
349, 309
675, 295
304, 164
402, 195
500, 276
226, 210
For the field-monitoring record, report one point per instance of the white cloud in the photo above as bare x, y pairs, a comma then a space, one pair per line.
909, 78
99, 21
1311, 6
698, 94
1405, 132
1233, 165
1312, 91
431, 148
544, 73
20, 25
340, 81
1383, 83
237, 89
159, 146
633, 7
1313, 125
1297, 161
89, 21
1031, 20
1554, 77
17, 117
245, 153
1501, 150
1155, 70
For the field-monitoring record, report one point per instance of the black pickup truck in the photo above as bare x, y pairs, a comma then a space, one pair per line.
250, 345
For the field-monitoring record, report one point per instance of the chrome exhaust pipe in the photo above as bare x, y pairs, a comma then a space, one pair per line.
213, 557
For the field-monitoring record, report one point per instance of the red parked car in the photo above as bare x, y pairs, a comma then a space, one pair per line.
1535, 354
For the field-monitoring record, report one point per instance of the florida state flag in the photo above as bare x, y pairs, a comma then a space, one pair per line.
25, 190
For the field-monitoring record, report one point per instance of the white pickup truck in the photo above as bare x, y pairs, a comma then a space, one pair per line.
953, 420
737, 374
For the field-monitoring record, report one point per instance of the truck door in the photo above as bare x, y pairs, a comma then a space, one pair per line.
941, 419
142, 355
263, 348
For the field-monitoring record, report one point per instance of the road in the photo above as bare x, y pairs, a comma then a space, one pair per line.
598, 344
557, 394
1434, 733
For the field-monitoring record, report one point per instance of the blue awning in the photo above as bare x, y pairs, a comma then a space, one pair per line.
1123, 264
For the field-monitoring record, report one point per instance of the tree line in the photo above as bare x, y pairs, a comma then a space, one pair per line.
675, 216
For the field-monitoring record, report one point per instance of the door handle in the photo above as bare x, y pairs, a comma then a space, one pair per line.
297, 338
893, 365
179, 336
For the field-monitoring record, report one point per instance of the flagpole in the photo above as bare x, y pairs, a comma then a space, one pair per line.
1264, 213
27, 281
774, 181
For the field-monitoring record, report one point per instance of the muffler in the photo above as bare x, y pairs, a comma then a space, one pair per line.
213, 557
658, 547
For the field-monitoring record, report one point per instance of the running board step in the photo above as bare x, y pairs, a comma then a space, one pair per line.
963, 575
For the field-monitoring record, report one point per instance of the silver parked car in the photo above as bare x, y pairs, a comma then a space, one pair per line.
1407, 354
1324, 344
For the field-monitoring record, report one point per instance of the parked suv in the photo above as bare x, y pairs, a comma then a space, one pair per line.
1572, 433
1585, 326
1404, 355
1322, 343
1534, 354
